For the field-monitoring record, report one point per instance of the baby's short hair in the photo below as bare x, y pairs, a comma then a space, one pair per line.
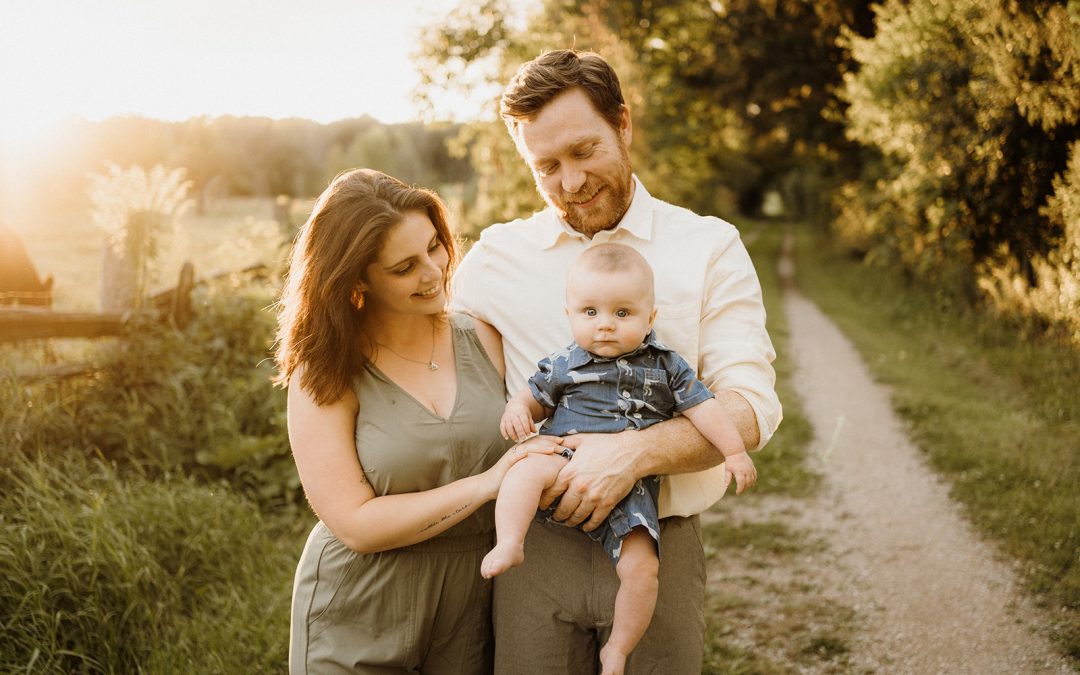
615, 258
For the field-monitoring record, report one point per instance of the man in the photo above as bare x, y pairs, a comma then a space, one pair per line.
566, 113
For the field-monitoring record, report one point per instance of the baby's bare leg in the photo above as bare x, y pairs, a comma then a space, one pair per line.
515, 507
635, 600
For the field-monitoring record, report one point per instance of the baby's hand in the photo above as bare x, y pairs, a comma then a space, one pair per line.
741, 467
516, 422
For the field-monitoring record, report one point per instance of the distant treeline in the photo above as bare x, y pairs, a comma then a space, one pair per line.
256, 156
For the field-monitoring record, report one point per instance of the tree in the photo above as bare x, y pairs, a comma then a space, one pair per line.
967, 110
726, 96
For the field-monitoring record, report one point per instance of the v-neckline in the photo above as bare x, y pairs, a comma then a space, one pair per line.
457, 383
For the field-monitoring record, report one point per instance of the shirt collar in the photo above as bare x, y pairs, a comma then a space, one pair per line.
579, 356
551, 229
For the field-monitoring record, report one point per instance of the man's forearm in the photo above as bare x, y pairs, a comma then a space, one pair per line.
676, 446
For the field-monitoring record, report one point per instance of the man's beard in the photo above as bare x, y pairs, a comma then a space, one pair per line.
614, 200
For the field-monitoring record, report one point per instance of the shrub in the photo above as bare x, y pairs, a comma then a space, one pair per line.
102, 575
197, 401
967, 110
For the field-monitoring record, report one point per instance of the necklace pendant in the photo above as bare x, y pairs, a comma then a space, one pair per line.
432, 365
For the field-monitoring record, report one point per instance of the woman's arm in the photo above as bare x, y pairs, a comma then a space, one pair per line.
334, 482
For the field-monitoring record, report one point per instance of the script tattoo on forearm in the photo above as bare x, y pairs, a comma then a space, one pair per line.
445, 518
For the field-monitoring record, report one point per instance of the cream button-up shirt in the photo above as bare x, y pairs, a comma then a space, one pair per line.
708, 299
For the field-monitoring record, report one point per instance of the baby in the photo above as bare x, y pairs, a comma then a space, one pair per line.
615, 375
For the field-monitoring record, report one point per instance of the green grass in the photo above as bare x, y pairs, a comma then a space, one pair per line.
107, 574
781, 466
996, 410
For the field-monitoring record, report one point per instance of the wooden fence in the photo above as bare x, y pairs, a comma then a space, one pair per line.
30, 323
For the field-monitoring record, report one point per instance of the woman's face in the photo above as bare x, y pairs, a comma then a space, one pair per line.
407, 275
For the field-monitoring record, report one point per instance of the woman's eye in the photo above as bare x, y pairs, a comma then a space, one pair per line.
434, 245
404, 270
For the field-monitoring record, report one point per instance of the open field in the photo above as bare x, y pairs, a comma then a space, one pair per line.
232, 234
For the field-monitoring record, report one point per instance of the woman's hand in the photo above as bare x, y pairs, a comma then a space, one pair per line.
537, 445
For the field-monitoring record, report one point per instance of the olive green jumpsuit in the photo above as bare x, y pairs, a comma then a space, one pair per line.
421, 608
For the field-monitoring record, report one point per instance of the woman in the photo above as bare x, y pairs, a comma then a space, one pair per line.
393, 411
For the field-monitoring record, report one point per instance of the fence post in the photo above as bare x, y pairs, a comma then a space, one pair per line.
181, 302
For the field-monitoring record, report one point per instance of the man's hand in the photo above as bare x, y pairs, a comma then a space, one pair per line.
599, 475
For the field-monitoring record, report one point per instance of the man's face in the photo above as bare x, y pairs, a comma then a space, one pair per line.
580, 163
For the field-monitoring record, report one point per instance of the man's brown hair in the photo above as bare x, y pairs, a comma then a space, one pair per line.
538, 81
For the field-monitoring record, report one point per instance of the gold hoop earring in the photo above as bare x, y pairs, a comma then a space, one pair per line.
357, 298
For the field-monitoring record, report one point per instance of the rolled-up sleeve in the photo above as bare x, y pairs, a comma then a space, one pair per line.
735, 350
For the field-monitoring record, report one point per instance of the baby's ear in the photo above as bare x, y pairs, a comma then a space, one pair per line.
652, 317
567, 310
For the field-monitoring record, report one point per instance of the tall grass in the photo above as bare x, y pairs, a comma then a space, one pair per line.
150, 515
197, 401
107, 574
995, 408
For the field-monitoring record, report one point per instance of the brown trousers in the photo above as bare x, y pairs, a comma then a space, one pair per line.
553, 613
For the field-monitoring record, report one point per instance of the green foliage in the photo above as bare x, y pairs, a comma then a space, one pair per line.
197, 401
996, 410
1054, 297
967, 110
728, 98
100, 574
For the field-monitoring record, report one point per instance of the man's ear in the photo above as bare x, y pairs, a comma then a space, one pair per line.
626, 126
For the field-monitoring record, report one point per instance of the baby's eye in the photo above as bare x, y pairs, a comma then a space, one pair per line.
622, 313
589, 311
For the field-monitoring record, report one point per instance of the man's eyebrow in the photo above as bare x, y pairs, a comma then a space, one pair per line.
575, 146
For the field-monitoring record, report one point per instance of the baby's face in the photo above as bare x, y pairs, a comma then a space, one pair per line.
610, 312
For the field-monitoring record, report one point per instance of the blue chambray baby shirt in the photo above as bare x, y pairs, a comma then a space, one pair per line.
593, 394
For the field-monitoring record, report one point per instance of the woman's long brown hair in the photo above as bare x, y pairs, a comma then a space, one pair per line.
318, 325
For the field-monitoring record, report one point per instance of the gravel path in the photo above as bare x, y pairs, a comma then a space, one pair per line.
929, 595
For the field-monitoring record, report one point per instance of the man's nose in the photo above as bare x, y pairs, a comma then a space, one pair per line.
573, 178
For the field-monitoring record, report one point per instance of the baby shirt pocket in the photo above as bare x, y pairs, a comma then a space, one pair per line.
656, 392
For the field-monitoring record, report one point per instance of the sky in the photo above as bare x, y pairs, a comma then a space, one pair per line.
320, 59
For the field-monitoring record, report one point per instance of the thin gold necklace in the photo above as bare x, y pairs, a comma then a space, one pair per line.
430, 363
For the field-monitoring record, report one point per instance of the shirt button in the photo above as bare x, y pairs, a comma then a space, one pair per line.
626, 394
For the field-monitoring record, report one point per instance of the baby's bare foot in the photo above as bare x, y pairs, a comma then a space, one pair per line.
501, 558
612, 661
